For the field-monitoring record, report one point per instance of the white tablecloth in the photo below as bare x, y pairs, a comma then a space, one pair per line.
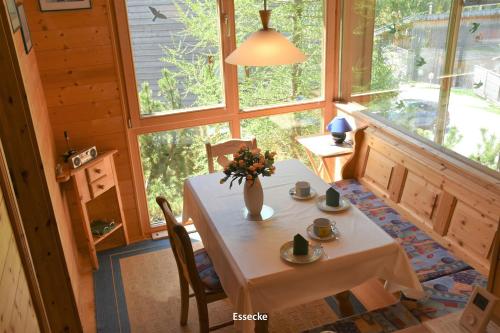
246, 254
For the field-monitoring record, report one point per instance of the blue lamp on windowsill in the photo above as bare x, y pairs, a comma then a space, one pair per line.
339, 127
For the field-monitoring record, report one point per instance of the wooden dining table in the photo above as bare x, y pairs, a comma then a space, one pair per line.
246, 254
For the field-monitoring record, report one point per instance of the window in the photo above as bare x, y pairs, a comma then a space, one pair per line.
434, 70
169, 157
187, 95
177, 59
302, 22
278, 133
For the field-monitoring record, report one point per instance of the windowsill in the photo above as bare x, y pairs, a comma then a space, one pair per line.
418, 143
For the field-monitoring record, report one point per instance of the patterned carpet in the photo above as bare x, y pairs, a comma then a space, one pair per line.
137, 291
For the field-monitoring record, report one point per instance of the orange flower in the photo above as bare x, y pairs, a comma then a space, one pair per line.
242, 163
236, 155
255, 151
251, 168
249, 177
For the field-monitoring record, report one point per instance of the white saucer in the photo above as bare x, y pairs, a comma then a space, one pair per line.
333, 236
314, 253
312, 194
343, 204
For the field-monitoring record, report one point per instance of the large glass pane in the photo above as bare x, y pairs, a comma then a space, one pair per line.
474, 108
278, 133
407, 59
176, 48
302, 22
169, 157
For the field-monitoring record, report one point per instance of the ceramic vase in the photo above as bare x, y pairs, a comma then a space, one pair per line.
254, 197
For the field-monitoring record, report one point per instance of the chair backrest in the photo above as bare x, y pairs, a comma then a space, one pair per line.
181, 247
220, 151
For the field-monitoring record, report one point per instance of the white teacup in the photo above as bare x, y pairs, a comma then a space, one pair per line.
323, 227
302, 189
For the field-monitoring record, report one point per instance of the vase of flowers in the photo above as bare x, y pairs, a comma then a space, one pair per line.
247, 165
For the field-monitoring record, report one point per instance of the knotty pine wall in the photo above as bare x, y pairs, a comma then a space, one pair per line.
16, 308
78, 68
43, 130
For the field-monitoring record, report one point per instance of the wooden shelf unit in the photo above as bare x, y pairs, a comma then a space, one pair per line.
93, 193
98, 239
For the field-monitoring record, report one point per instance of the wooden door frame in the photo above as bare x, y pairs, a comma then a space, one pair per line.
22, 243
30, 205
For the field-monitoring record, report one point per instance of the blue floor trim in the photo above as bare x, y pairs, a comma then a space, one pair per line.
111, 306
110, 302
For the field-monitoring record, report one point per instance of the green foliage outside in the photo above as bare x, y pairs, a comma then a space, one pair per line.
169, 157
488, 152
394, 29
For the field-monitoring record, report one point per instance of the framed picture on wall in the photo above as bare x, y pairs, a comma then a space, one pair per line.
14, 18
51, 5
24, 28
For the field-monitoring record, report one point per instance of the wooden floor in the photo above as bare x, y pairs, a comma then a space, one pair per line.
371, 294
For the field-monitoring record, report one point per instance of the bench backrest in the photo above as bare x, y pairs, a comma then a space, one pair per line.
458, 206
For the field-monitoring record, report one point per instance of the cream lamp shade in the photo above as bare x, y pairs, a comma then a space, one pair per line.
266, 47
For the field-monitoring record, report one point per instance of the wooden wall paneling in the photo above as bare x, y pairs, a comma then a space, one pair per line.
478, 190
100, 110
75, 58
20, 306
420, 198
494, 276
8, 284
444, 211
379, 169
472, 230
5, 230
25, 129
397, 182
87, 36
81, 94
450, 206
16, 306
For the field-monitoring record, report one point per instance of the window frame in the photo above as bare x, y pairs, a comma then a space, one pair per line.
230, 112
452, 35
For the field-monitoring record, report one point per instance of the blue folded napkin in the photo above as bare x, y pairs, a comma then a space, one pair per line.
332, 197
300, 245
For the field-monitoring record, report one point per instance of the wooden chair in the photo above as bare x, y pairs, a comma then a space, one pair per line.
195, 270
220, 151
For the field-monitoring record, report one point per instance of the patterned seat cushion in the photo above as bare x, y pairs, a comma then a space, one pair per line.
358, 195
389, 319
206, 271
429, 259
446, 294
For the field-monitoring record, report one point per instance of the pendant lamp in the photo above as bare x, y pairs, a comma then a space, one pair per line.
266, 47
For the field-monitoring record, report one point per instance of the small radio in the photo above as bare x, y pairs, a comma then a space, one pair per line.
81, 157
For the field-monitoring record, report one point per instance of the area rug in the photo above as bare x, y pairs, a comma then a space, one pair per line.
137, 291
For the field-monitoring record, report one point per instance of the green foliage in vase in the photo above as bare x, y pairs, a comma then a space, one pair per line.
248, 164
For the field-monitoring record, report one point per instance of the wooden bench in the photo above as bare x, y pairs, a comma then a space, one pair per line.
454, 204
459, 207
